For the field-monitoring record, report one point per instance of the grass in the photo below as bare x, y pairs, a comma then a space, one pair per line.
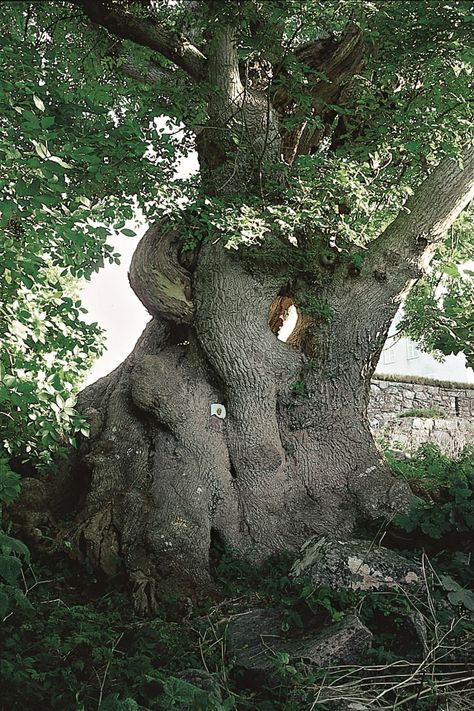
420, 380
426, 412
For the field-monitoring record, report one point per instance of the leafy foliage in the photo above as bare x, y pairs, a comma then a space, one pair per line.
12, 550
438, 312
447, 485
86, 650
75, 150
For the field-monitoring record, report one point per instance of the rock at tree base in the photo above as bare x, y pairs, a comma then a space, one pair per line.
355, 565
255, 640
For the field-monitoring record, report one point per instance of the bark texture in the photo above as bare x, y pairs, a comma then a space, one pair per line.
164, 476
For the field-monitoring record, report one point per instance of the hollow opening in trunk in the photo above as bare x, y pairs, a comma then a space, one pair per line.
283, 317
180, 334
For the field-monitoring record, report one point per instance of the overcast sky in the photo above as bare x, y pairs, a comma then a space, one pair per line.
110, 300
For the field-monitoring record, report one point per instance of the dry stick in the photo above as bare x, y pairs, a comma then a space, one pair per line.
361, 697
321, 687
420, 666
102, 684
360, 684
201, 652
424, 560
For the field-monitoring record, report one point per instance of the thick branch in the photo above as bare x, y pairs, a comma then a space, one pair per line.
413, 235
151, 73
147, 33
224, 68
328, 65
364, 306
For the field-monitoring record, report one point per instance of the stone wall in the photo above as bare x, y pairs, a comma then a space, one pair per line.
408, 433
389, 399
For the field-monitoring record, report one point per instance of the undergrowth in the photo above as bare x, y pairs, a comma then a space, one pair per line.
71, 641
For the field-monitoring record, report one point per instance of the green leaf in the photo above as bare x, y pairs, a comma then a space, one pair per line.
462, 597
457, 594
113, 702
4, 603
13, 545
10, 568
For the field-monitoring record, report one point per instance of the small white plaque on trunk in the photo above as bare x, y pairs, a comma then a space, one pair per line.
218, 410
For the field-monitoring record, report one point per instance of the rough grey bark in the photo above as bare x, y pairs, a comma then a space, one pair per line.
163, 477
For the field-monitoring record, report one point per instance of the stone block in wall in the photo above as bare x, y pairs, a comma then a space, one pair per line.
451, 435
392, 397
446, 401
450, 393
421, 423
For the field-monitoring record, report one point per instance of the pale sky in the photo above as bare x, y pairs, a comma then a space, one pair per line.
110, 300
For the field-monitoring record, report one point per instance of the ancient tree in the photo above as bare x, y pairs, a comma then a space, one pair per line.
335, 150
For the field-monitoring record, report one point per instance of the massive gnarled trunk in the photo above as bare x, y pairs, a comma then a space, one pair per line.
166, 476
294, 455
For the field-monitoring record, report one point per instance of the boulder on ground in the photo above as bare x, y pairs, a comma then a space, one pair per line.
355, 565
255, 640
